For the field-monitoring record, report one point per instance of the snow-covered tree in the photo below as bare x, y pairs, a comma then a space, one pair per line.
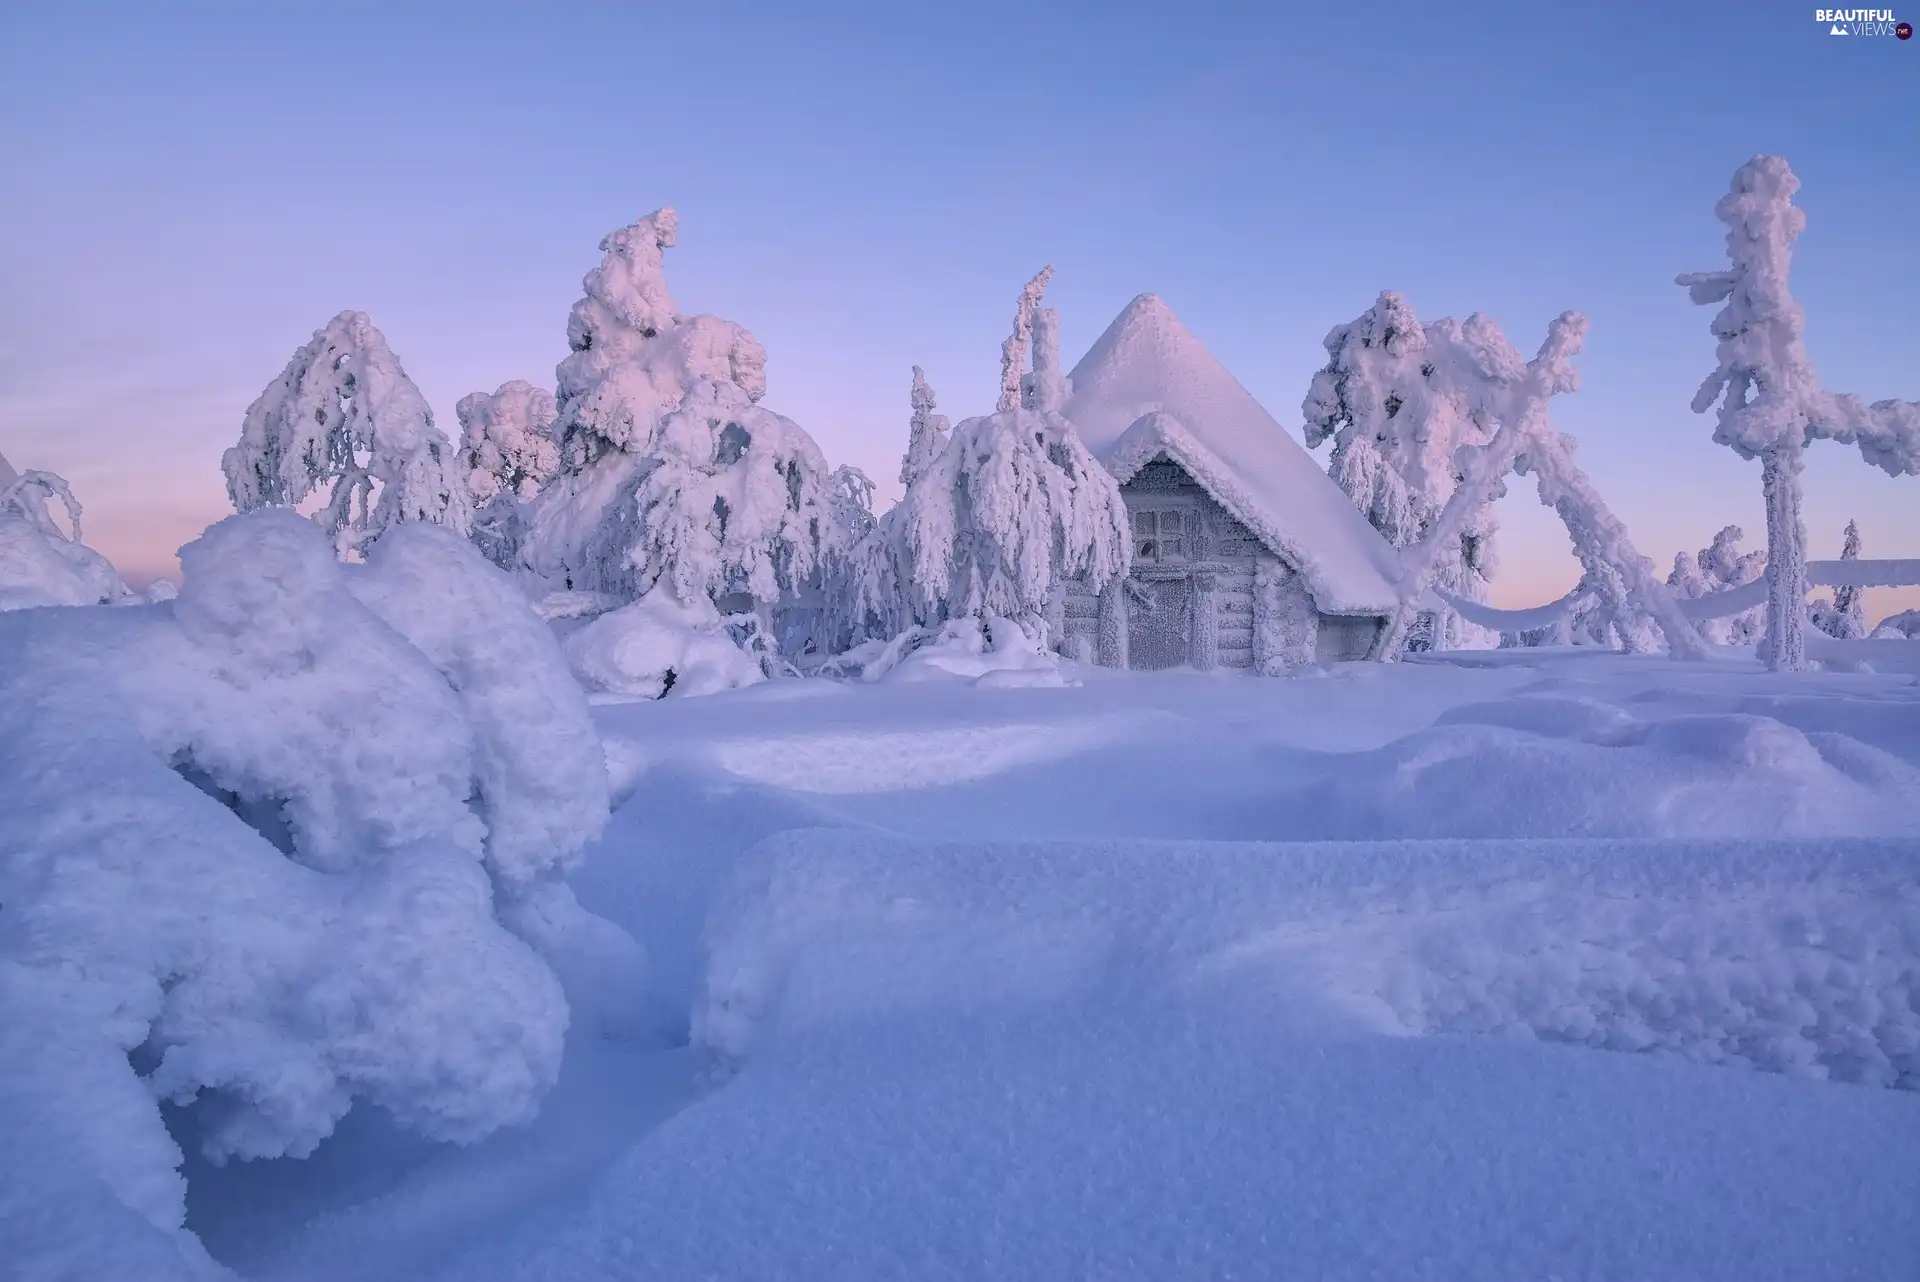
1013, 352
1013, 507
507, 441
1844, 615
41, 563
734, 501
509, 454
1500, 387
344, 414
866, 597
927, 435
1768, 392
1719, 566
1047, 387
670, 472
851, 505
1398, 419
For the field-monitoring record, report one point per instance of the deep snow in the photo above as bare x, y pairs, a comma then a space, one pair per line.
1019, 999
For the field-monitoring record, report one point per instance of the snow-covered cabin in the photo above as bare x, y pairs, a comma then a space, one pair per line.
1245, 554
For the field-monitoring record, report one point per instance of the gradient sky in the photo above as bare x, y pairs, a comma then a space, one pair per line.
192, 189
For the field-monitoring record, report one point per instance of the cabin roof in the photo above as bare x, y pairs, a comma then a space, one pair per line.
1148, 388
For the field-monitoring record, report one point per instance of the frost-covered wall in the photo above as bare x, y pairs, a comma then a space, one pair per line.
1204, 592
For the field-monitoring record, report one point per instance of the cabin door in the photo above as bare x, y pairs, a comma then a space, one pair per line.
1160, 627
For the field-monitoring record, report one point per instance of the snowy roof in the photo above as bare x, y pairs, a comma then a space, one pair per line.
1148, 387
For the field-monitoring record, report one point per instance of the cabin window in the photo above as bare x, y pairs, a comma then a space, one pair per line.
1160, 535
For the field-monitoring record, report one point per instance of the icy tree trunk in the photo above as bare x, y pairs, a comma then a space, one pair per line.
1206, 623
1786, 558
1113, 625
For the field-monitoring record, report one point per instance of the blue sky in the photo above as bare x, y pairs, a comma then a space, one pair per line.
192, 189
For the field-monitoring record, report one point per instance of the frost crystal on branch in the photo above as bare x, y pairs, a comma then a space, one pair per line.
344, 415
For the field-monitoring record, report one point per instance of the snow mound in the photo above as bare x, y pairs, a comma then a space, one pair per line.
1793, 957
264, 852
40, 563
856, 761
1147, 361
659, 646
993, 653
1160, 1061
1538, 764
1904, 626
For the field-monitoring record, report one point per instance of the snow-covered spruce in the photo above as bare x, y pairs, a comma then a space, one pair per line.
1013, 508
1014, 388
927, 432
831, 621
293, 822
1768, 392
1398, 419
1844, 615
1719, 566
343, 417
508, 452
671, 475
41, 563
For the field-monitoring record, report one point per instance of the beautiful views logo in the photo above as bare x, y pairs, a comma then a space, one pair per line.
1862, 22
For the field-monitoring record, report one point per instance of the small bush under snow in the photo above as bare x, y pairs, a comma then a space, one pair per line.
988, 652
41, 563
660, 646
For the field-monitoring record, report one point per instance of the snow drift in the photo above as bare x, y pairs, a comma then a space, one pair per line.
1793, 957
269, 850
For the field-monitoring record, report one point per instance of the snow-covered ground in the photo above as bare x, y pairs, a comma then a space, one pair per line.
1176, 975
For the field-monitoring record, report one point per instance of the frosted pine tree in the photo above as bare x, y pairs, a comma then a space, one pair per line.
1768, 392
1844, 616
1014, 506
1398, 424
867, 597
509, 454
344, 418
927, 433
670, 472
1013, 352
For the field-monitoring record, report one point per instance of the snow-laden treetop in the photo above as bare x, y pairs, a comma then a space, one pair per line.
344, 412
633, 356
1768, 390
